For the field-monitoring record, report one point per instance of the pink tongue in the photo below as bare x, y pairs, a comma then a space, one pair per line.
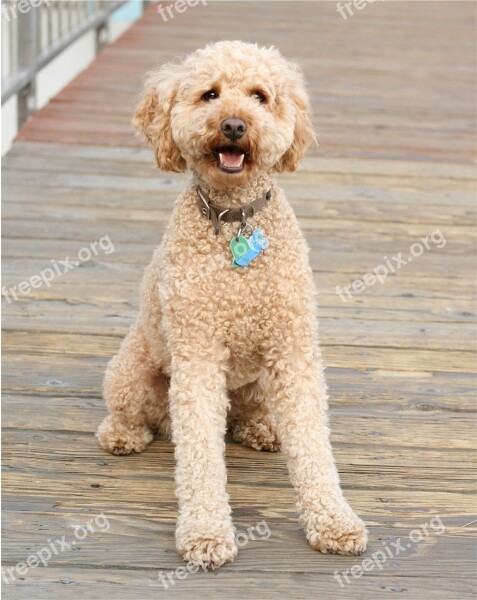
230, 159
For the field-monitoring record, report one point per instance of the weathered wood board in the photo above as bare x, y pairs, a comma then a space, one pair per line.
393, 89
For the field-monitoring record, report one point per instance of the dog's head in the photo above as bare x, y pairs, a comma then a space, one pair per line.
229, 112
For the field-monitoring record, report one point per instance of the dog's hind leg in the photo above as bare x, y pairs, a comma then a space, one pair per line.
136, 393
250, 419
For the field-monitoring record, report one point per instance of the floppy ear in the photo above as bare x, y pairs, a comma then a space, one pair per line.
303, 134
152, 117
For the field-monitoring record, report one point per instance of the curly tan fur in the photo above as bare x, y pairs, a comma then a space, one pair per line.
216, 347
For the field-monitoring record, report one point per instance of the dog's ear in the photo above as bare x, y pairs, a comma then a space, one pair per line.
303, 134
152, 117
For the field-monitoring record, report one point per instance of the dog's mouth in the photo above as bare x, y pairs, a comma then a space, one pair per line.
230, 159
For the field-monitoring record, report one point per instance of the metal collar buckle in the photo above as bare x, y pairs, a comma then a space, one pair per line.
206, 208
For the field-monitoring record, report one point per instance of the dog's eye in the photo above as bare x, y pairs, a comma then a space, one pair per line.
259, 96
210, 95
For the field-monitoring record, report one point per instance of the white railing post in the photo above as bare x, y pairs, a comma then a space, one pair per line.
27, 40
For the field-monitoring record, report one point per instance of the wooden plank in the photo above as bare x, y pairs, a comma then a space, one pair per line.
362, 469
365, 390
68, 583
373, 74
44, 375
461, 336
90, 315
133, 546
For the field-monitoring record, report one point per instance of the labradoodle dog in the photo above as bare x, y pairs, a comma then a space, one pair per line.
226, 335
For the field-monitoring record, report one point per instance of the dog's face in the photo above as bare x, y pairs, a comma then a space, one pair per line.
229, 112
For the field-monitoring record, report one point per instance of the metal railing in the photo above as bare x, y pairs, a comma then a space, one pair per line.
34, 32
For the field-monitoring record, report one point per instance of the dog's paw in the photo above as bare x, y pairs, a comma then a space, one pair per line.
208, 552
208, 547
259, 436
340, 533
117, 438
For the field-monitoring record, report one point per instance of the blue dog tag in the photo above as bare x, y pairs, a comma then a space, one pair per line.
245, 249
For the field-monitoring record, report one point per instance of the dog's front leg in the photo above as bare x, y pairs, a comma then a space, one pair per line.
198, 407
299, 394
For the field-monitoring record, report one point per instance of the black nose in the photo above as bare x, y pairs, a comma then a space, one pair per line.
233, 129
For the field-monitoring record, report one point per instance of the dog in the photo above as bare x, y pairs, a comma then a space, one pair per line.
226, 335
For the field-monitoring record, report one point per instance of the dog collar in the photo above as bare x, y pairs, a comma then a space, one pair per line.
218, 214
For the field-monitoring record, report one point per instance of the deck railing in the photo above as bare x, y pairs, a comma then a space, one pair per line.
34, 32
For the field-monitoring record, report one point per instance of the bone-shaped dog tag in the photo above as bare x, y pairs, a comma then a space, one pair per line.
244, 249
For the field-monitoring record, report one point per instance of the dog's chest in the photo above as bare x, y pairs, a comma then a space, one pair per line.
250, 306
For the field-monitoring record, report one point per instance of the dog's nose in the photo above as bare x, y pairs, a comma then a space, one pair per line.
233, 128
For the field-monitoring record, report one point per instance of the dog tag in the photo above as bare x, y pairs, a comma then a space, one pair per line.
245, 249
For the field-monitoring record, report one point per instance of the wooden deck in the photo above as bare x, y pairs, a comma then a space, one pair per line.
393, 89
